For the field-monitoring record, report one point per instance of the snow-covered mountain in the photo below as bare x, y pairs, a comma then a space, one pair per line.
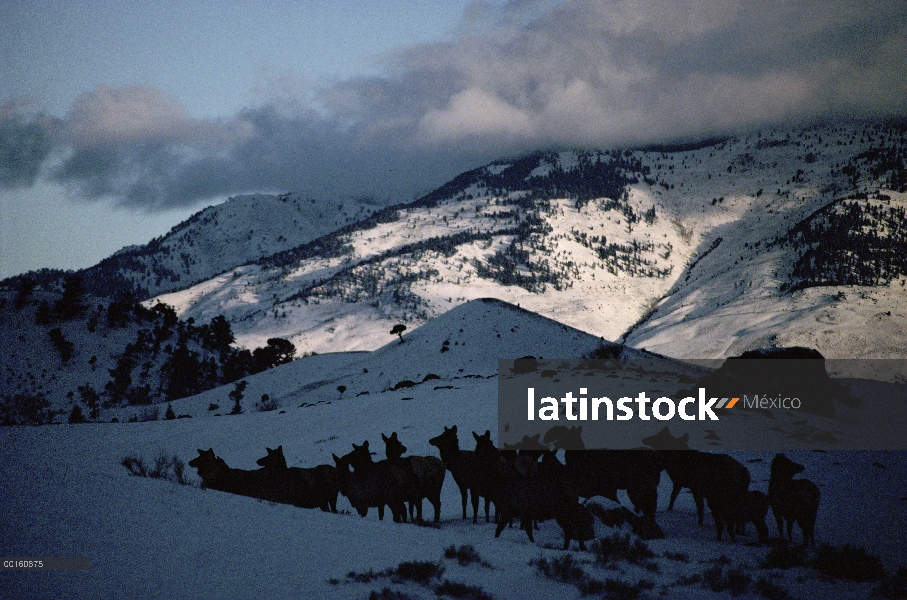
218, 238
704, 250
697, 250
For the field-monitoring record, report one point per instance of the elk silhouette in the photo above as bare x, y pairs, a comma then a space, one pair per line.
425, 476
793, 500
303, 487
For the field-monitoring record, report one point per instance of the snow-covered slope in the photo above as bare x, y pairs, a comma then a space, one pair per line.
449, 351
706, 233
68, 495
214, 240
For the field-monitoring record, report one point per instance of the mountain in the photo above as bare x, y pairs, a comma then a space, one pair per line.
692, 250
241, 230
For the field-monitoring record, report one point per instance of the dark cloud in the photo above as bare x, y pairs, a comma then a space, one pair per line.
25, 144
514, 77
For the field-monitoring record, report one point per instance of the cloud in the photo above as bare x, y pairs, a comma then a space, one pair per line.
25, 144
514, 77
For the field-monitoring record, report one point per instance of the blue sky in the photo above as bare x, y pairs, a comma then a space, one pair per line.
119, 119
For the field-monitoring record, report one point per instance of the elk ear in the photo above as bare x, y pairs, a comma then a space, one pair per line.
365, 444
384, 437
477, 436
579, 429
454, 428
393, 435
355, 447
336, 458
685, 438
279, 449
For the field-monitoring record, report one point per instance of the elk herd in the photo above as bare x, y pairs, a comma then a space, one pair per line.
530, 483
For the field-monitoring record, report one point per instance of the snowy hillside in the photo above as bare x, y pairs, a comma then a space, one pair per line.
71, 356
706, 233
154, 538
216, 239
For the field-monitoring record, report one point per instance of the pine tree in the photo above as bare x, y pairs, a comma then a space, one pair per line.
237, 395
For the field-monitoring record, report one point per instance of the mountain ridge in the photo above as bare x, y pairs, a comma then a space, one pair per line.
624, 226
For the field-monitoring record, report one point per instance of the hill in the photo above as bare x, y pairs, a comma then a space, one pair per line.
656, 246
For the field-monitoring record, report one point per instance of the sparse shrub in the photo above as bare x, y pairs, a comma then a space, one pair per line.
850, 562
455, 589
419, 571
464, 555
678, 556
166, 467
169, 415
368, 576
152, 413
266, 403
135, 465
620, 547
388, 594
562, 568
616, 589
765, 587
213, 406
893, 586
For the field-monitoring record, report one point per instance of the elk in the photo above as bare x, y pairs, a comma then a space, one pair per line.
217, 475
603, 472
306, 488
754, 510
541, 491
718, 479
794, 500
465, 468
372, 484
425, 476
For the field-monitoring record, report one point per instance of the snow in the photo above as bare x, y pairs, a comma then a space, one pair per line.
744, 191
66, 494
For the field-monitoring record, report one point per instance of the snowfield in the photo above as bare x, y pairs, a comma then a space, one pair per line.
67, 494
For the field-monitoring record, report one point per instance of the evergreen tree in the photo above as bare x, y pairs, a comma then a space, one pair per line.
237, 395
76, 416
72, 304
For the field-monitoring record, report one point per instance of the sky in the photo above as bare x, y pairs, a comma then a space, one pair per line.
120, 119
